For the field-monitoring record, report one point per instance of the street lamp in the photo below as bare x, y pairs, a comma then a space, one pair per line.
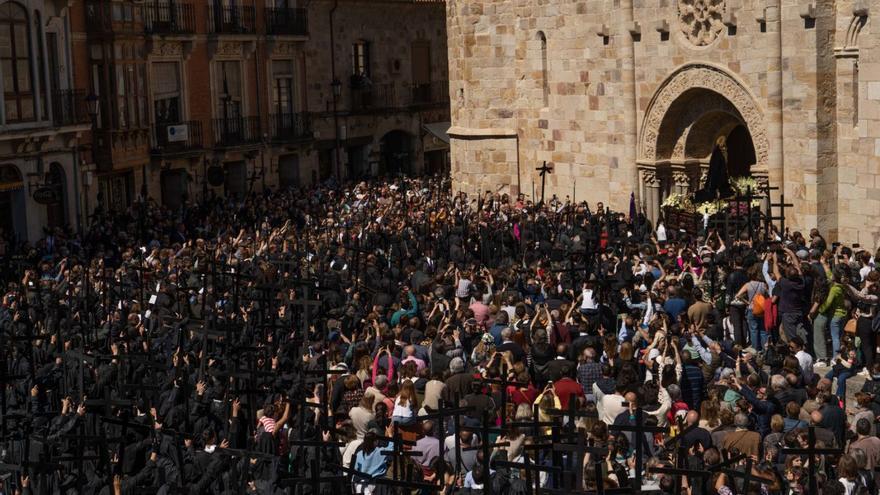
336, 86
92, 106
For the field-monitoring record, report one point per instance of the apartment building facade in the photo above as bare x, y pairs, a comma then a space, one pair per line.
219, 98
43, 120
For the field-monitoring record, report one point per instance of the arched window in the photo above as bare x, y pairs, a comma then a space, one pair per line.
15, 65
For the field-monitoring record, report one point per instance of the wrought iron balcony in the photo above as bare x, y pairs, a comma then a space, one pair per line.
281, 21
431, 93
237, 19
69, 107
113, 17
169, 18
291, 126
173, 138
375, 97
236, 131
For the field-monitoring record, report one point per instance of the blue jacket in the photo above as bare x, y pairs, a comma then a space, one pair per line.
412, 311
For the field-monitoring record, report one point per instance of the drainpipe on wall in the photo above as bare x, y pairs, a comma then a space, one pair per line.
333, 91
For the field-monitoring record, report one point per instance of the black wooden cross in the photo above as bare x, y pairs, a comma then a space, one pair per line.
397, 452
533, 481
441, 416
314, 478
639, 431
578, 452
504, 383
543, 170
486, 446
811, 452
782, 205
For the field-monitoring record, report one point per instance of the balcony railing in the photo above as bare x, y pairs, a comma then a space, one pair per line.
287, 21
177, 137
429, 93
375, 97
390, 96
231, 19
290, 126
69, 107
236, 131
170, 18
117, 17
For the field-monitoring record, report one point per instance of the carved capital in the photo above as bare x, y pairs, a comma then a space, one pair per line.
649, 177
680, 178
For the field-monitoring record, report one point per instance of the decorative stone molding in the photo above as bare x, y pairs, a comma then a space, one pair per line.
169, 49
714, 79
700, 21
860, 8
281, 47
729, 18
231, 49
635, 28
856, 24
681, 179
603, 31
761, 17
808, 11
649, 177
662, 26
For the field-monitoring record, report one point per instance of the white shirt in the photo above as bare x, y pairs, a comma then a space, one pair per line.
402, 411
805, 360
608, 406
587, 301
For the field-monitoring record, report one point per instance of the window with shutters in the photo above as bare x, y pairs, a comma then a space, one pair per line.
166, 92
15, 66
228, 84
360, 59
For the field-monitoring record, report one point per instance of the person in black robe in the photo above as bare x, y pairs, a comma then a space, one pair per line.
718, 181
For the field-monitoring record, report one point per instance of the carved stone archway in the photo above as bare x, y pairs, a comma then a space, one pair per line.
718, 81
691, 108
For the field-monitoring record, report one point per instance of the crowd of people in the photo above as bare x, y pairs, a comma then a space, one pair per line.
387, 336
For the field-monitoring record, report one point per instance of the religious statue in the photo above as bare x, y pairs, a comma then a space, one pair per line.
718, 180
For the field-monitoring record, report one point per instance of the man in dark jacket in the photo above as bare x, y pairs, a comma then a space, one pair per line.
762, 408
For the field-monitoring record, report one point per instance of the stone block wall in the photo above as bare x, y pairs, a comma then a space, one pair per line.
586, 100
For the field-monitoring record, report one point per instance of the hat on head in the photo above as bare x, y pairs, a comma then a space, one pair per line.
802, 254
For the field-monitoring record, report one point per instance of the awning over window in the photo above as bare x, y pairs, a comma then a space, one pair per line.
438, 130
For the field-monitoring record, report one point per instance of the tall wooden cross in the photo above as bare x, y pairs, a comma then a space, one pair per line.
543, 170
811, 451
639, 430
782, 205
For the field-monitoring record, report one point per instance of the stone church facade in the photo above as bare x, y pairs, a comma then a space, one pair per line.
622, 96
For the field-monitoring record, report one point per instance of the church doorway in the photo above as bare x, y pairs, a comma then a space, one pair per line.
697, 106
